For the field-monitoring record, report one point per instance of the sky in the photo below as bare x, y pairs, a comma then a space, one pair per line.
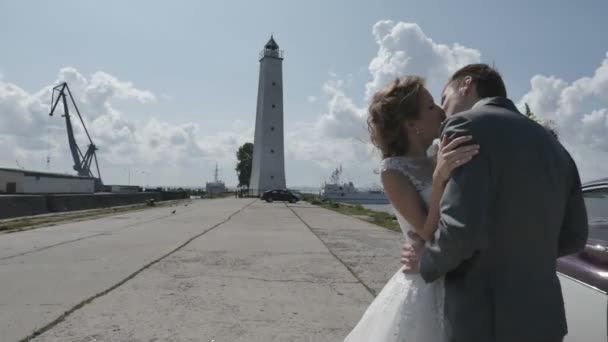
168, 90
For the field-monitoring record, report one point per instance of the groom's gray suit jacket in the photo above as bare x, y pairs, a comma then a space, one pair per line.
506, 216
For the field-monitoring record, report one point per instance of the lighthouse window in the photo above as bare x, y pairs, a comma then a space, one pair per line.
273, 106
274, 83
271, 177
272, 128
271, 151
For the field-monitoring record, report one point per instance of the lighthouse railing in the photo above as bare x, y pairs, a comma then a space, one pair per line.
271, 53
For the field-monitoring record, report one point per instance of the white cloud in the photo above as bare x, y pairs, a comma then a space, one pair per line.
152, 144
343, 119
404, 49
21, 112
305, 142
337, 136
181, 153
579, 111
340, 133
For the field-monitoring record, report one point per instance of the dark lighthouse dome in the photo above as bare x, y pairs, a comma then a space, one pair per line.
271, 45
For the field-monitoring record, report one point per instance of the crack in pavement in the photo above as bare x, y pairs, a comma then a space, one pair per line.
305, 281
80, 305
350, 269
36, 250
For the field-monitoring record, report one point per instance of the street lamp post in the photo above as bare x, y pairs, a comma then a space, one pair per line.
147, 177
128, 169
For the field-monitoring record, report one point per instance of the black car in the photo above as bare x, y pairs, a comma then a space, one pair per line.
280, 195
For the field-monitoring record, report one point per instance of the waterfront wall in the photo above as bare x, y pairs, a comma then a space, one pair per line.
22, 205
62, 203
27, 205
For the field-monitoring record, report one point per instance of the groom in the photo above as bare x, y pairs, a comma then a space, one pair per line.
506, 216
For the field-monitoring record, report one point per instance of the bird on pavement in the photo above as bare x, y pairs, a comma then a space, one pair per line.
173, 212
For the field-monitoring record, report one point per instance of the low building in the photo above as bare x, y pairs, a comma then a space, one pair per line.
15, 181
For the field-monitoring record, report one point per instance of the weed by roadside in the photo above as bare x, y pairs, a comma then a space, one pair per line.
386, 220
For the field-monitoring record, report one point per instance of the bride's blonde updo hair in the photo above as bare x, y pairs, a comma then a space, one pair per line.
391, 106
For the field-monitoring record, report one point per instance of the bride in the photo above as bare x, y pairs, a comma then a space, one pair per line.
403, 122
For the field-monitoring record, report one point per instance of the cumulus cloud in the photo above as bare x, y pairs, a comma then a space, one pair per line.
403, 49
343, 119
579, 111
122, 142
337, 136
21, 111
305, 142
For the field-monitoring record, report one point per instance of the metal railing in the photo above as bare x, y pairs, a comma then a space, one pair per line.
272, 53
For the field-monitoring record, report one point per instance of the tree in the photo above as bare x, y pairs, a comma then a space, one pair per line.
244, 155
549, 125
530, 114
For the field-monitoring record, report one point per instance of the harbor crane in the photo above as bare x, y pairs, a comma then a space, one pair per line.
82, 163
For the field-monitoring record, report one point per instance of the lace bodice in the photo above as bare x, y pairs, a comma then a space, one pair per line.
419, 171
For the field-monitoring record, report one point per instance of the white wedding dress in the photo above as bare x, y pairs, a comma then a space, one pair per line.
407, 309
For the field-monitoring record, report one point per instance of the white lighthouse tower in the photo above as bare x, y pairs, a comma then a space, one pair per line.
268, 165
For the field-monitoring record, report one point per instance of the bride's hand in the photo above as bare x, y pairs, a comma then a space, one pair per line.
453, 154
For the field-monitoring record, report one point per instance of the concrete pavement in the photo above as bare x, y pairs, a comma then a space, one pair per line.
218, 270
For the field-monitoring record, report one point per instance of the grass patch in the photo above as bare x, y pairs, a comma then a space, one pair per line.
382, 219
46, 220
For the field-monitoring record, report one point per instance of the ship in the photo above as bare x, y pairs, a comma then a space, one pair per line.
217, 187
346, 192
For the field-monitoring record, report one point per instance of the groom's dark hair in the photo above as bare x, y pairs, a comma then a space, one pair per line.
488, 81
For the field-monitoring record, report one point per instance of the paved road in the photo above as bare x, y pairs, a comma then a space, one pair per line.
217, 270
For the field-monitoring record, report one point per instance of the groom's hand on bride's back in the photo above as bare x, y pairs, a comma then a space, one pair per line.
411, 252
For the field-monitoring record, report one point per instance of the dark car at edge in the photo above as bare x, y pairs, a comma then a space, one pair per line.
584, 276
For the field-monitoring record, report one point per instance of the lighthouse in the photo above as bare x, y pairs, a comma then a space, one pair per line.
268, 165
